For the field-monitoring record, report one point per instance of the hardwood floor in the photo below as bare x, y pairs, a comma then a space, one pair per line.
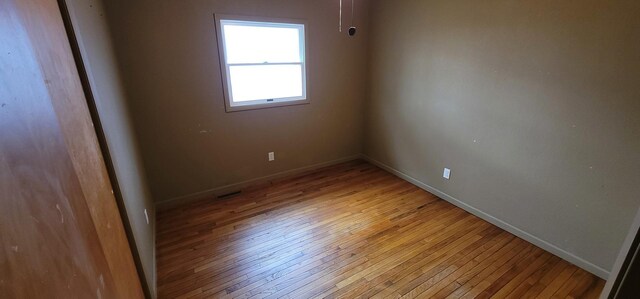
351, 231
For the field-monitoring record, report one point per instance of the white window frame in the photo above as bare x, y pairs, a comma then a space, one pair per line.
231, 106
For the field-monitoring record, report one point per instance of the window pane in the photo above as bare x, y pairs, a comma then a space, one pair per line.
261, 82
254, 44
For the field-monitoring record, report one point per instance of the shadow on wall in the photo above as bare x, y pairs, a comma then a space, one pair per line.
168, 53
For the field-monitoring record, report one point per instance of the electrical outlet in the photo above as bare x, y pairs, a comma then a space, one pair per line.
146, 215
447, 173
272, 156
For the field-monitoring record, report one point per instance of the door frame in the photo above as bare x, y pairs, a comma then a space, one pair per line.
102, 141
626, 256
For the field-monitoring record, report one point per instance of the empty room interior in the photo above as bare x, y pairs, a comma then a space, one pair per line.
319, 149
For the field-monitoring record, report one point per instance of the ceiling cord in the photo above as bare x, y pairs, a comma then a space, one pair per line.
340, 16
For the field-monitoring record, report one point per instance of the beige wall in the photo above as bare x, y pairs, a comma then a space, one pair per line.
168, 53
534, 105
89, 21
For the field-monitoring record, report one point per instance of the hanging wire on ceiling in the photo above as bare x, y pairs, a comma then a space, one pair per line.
340, 16
352, 28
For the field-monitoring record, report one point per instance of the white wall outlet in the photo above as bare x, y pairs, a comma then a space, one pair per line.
272, 156
146, 215
447, 173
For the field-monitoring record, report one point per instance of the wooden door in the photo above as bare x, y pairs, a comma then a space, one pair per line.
61, 235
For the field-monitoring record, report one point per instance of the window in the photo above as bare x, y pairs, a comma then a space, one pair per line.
263, 62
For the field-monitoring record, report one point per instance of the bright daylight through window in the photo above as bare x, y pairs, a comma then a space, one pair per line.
263, 63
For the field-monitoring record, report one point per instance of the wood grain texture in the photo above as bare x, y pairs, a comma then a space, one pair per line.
350, 231
60, 230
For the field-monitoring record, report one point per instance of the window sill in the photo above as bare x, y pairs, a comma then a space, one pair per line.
265, 105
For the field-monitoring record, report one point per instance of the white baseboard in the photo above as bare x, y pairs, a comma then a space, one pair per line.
162, 205
582, 263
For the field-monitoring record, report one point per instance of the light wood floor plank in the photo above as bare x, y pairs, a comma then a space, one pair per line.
350, 230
